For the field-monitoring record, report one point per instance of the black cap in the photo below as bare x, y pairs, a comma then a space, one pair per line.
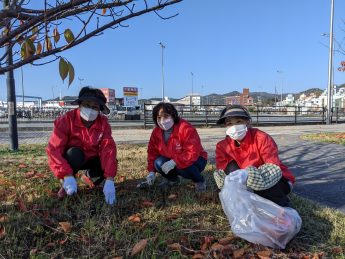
233, 111
92, 94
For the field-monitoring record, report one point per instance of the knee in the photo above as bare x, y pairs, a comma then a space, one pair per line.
75, 156
159, 162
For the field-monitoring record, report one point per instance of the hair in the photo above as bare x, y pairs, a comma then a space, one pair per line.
167, 108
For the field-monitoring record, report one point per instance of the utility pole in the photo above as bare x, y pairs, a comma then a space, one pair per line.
11, 93
330, 67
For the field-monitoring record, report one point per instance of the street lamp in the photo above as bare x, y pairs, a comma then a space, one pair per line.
330, 67
163, 47
191, 98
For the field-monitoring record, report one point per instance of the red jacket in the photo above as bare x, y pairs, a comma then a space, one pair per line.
69, 131
183, 146
256, 149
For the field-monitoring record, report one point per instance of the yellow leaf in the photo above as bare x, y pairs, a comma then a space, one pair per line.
48, 43
63, 69
140, 246
71, 73
56, 35
66, 226
39, 48
69, 35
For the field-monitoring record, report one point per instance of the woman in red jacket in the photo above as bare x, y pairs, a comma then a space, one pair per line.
247, 148
175, 149
81, 140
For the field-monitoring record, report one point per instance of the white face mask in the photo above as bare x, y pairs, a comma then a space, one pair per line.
166, 124
237, 132
88, 114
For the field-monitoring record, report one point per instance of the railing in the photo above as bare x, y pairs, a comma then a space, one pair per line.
261, 115
203, 115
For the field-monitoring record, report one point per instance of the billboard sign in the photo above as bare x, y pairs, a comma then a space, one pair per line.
130, 96
109, 94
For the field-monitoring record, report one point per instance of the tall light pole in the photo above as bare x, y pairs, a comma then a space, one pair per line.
80, 80
21, 70
330, 67
281, 94
191, 98
163, 47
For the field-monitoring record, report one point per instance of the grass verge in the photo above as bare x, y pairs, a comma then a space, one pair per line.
172, 224
335, 138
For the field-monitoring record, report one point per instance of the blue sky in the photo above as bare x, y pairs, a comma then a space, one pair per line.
227, 44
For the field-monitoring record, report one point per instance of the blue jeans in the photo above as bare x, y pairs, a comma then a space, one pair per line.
192, 172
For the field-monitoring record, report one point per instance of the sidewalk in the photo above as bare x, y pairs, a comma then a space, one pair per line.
319, 167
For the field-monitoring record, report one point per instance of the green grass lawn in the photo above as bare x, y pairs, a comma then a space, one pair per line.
173, 224
336, 138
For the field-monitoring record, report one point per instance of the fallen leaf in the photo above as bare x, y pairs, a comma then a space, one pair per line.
3, 218
217, 247
138, 247
61, 242
21, 205
50, 244
2, 232
187, 251
171, 217
147, 204
265, 254
227, 250
135, 218
207, 240
198, 256
66, 226
118, 257
172, 197
226, 240
175, 247
22, 166
337, 250
238, 253
29, 174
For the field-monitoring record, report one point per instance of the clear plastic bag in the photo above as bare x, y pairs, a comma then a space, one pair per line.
254, 218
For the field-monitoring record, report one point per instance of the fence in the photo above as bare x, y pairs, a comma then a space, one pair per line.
199, 115
261, 115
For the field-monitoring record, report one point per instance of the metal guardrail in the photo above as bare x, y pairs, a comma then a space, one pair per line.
261, 115
201, 115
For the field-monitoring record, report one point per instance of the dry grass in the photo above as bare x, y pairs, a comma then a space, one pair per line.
30, 215
335, 138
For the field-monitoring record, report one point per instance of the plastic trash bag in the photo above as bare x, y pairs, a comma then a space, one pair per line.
254, 218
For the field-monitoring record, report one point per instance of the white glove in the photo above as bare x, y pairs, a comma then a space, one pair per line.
168, 166
150, 179
70, 185
109, 192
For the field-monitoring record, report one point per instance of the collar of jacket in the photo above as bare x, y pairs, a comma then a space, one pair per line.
78, 122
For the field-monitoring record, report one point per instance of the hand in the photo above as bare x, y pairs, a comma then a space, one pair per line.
219, 177
150, 179
109, 192
168, 166
70, 185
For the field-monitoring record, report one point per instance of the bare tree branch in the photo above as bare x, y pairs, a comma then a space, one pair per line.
43, 20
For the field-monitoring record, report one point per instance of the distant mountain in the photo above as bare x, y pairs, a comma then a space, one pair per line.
316, 91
